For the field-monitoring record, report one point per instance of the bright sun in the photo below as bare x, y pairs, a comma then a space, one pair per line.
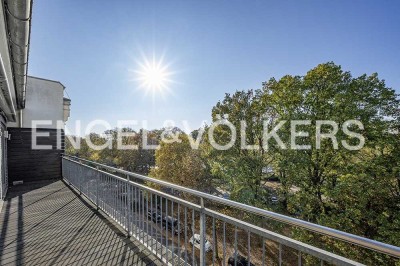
154, 76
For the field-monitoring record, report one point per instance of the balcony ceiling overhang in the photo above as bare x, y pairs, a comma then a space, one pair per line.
15, 24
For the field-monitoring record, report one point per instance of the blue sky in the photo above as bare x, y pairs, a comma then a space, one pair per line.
213, 48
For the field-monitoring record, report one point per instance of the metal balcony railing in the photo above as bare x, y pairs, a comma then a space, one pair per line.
184, 230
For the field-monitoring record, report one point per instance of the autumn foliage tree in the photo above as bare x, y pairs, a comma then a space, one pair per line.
178, 163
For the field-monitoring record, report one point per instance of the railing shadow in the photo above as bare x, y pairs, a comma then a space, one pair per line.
129, 244
58, 225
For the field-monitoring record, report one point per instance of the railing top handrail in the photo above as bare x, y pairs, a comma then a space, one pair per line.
347, 237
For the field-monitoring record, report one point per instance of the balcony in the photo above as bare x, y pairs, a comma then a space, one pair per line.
102, 215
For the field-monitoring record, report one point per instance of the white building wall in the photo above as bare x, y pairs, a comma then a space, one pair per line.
44, 101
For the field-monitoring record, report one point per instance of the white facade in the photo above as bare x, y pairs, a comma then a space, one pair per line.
44, 101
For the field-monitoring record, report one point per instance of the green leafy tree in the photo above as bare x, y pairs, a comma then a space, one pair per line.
352, 190
239, 170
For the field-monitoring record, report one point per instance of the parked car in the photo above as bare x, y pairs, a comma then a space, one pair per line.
240, 260
171, 224
155, 216
274, 199
222, 193
195, 241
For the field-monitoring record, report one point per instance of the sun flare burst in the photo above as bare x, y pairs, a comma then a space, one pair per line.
154, 76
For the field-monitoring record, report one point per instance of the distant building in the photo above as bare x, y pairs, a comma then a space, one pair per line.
44, 101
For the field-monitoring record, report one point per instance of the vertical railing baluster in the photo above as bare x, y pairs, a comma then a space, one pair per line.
120, 202
151, 220
106, 193
156, 218
129, 196
179, 234
214, 240
236, 248
115, 198
103, 196
109, 186
202, 234
141, 225
299, 258
166, 229
100, 205
124, 204
112, 197
140, 217
134, 209
224, 243
80, 179
193, 255
97, 187
161, 227
117, 202
263, 251
248, 248
146, 217
186, 240
136, 213
143, 215
172, 233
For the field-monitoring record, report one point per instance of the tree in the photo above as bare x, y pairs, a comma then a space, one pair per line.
239, 170
178, 163
353, 190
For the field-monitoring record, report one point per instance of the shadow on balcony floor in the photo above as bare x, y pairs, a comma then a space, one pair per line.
48, 223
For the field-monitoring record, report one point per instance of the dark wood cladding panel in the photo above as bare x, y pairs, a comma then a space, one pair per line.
27, 164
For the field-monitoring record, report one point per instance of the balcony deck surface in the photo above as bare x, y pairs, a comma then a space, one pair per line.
47, 223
